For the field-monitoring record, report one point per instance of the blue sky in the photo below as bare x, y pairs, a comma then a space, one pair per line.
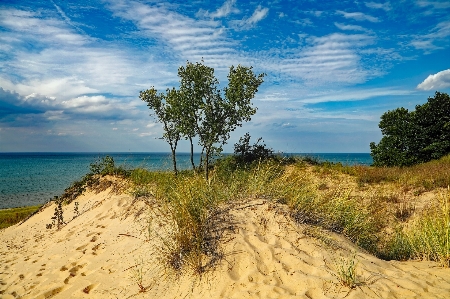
71, 71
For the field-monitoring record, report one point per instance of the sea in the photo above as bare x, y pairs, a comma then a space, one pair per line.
34, 178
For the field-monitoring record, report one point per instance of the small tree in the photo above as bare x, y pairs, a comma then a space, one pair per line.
414, 137
222, 115
197, 85
200, 109
167, 111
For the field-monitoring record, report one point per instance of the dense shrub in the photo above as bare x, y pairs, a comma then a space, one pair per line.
413, 137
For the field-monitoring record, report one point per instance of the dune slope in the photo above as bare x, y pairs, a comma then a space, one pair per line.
111, 251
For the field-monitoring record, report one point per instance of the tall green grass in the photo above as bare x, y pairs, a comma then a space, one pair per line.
10, 217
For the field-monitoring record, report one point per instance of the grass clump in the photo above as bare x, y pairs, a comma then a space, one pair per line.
430, 235
426, 238
12, 216
346, 271
187, 209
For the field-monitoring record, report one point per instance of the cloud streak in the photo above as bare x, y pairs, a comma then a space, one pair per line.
358, 16
259, 14
226, 9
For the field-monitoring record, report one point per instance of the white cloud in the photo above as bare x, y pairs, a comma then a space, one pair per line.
436, 81
355, 95
259, 14
331, 58
316, 13
438, 5
349, 27
435, 40
187, 38
304, 22
66, 18
358, 16
384, 6
226, 9
32, 26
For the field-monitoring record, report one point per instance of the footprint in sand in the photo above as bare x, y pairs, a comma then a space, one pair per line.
89, 288
51, 293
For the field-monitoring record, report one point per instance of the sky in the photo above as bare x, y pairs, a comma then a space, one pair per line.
71, 71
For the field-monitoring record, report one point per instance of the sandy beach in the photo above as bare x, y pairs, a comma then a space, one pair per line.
110, 250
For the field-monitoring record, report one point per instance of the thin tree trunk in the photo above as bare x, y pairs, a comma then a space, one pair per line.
174, 160
207, 164
201, 158
192, 153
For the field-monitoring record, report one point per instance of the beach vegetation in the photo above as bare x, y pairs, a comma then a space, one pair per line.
373, 207
413, 137
12, 216
58, 215
346, 270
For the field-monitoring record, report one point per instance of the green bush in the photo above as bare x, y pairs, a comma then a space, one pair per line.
414, 137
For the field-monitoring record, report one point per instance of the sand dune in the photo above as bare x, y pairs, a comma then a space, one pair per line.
109, 250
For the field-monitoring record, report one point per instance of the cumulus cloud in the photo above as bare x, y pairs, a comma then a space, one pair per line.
436, 81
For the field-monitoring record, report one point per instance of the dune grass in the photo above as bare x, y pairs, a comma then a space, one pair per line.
12, 216
330, 196
333, 197
426, 238
427, 176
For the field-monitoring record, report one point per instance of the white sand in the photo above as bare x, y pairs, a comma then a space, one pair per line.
101, 253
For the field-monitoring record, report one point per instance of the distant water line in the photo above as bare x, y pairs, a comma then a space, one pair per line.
34, 178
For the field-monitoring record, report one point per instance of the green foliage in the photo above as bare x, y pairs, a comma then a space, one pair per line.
414, 137
10, 217
199, 108
246, 153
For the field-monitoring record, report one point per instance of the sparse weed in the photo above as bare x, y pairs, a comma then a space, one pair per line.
76, 210
137, 275
58, 215
404, 210
346, 271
